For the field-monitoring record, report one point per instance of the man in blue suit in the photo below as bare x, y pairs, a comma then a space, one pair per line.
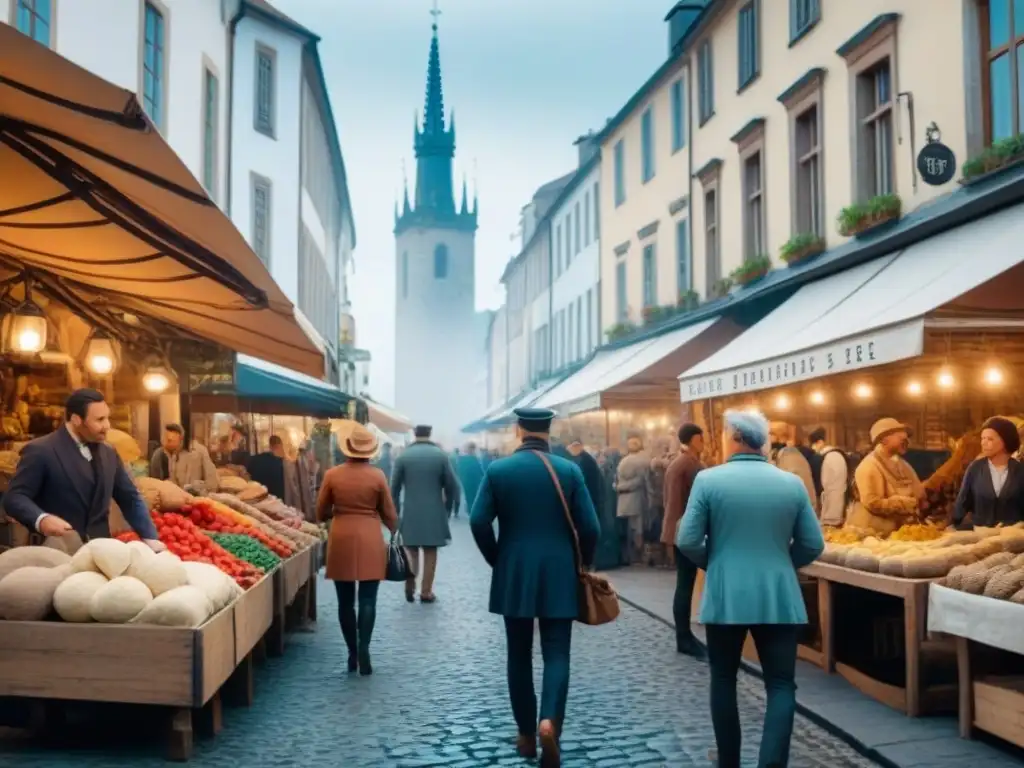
541, 503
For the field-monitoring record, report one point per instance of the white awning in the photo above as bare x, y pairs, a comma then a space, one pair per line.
583, 390
869, 315
525, 400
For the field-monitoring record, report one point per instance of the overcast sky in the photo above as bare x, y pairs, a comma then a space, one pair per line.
526, 77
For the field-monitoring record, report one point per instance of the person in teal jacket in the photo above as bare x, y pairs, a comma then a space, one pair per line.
534, 576
750, 525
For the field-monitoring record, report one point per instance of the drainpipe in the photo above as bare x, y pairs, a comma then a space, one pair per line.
551, 299
689, 151
232, 25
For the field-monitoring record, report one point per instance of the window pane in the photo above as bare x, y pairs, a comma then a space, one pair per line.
1002, 98
1020, 87
683, 256
998, 23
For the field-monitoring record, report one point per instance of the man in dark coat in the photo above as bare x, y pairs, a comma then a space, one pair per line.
65, 481
588, 466
267, 468
534, 577
431, 493
471, 474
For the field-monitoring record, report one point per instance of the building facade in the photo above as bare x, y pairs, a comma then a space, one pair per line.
439, 335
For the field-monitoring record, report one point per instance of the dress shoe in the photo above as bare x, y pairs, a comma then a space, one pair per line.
428, 598
550, 754
365, 667
526, 745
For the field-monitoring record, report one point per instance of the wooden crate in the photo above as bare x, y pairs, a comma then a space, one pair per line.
999, 707
253, 615
126, 663
296, 571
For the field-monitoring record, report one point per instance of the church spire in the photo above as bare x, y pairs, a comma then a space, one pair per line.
433, 106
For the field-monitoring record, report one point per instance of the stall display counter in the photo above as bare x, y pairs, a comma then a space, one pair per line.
185, 671
990, 703
294, 596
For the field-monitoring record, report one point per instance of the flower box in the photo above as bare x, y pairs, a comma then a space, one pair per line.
863, 219
802, 248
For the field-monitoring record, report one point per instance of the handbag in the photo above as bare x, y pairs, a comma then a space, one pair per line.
399, 568
597, 601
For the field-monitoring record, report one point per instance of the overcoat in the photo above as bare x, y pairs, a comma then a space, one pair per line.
532, 555
423, 483
471, 474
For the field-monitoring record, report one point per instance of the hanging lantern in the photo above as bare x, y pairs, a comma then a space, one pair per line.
25, 332
101, 357
156, 379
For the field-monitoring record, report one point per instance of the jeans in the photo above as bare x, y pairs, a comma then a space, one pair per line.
776, 649
357, 629
555, 645
686, 577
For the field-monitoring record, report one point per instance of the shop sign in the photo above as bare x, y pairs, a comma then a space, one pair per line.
210, 375
877, 348
935, 162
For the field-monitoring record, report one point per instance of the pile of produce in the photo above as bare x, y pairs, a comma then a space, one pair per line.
248, 549
217, 518
999, 576
848, 535
111, 582
161, 495
917, 558
183, 538
918, 532
300, 537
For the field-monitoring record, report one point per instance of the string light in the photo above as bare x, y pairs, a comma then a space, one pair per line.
782, 402
862, 391
993, 376
818, 397
945, 380
914, 388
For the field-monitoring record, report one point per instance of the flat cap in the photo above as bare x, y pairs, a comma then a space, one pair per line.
535, 419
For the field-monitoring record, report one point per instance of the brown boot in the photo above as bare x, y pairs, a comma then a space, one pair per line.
526, 745
550, 754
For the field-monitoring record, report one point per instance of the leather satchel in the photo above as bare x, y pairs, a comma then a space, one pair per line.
597, 601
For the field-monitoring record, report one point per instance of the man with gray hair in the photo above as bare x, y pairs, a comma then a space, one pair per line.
751, 526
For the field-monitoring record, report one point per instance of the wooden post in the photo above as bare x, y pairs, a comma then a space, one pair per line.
240, 689
966, 687
915, 605
180, 741
211, 717
827, 623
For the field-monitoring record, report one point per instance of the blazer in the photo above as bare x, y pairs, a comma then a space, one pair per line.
751, 526
54, 478
978, 498
532, 556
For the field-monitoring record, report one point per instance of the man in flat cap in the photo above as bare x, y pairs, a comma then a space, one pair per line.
541, 504
424, 472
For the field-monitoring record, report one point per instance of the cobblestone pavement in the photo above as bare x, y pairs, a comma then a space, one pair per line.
438, 698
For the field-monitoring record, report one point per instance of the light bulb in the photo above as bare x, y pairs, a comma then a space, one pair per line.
155, 381
914, 388
818, 397
945, 380
993, 377
782, 402
862, 391
752, 408
650, 426
101, 365
29, 340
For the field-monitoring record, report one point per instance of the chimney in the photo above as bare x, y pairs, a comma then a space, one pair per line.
682, 16
587, 148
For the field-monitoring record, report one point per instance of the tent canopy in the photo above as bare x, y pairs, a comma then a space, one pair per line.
387, 419
96, 199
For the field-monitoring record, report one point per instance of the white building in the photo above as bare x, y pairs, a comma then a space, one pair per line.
288, 189
576, 268
237, 90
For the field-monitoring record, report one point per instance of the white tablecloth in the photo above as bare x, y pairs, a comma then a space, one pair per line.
998, 623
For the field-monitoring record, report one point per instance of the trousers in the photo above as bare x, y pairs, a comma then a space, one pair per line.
686, 578
428, 570
776, 650
357, 629
555, 647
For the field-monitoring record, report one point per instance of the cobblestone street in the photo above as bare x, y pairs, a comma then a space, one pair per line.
438, 696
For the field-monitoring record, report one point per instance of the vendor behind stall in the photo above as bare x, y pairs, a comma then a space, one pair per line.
267, 468
74, 472
185, 467
992, 491
890, 493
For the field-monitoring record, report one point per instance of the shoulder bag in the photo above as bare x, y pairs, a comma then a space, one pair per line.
398, 568
598, 603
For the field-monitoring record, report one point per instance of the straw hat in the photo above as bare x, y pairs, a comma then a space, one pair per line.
885, 427
360, 443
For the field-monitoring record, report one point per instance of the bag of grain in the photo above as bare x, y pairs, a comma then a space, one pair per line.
27, 593
162, 495
22, 557
955, 576
141, 553
181, 607
162, 573
1004, 585
862, 559
119, 600
72, 599
233, 485
111, 556
927, 567
218, 587
69, 543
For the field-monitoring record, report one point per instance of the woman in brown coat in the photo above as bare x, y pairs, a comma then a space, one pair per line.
356, 497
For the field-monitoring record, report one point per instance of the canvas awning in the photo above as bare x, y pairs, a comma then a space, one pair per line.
92, 196
641, 369
876, 313
530, 398
387, 419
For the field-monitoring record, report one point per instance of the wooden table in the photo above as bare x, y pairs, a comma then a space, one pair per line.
913, 593
994, 704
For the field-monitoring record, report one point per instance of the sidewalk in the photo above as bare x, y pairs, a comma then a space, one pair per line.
874, 729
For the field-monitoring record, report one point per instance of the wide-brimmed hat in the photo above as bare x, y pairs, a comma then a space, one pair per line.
361, 443
885, 427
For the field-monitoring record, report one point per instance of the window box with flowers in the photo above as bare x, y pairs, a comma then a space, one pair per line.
656, 314
752, 270
801, 248
620, 330
861, 219
688, 300
1001, 156
721, 288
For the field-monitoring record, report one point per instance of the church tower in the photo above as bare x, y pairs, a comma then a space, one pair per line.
438, 344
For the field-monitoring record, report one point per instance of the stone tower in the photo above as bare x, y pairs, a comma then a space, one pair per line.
438, 339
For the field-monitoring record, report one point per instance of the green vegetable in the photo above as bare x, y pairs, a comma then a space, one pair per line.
248, 549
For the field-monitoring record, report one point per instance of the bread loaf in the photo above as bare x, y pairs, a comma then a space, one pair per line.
1004, 585
862, 559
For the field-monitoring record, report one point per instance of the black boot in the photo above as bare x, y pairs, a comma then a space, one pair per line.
348, 631
367, 618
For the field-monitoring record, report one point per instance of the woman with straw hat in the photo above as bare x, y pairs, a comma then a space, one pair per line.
355, 495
